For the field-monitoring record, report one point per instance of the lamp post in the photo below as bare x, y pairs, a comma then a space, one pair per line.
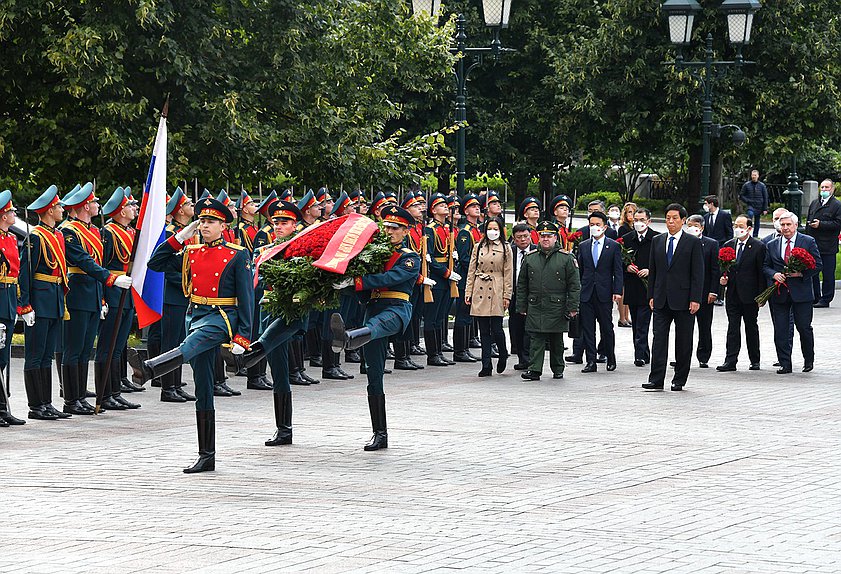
681, 15
496, 14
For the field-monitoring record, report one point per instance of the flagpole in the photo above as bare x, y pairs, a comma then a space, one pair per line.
100, 388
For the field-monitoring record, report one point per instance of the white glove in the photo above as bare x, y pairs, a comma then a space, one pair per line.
28, 318
188, 232
104, 311
428, 258
455, 255
454, 276
123, 282
237, 349
347, 282
430, 282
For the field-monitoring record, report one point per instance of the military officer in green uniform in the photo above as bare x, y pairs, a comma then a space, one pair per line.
388, 312
548, 290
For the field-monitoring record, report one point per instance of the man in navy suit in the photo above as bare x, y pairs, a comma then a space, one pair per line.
824, 224
675, 289
718, 224
600, 266
520, 341
794, 296
712, 273
639, 242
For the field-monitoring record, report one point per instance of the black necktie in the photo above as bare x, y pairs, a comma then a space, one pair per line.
739, 251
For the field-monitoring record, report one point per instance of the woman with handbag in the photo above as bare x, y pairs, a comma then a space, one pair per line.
489, 287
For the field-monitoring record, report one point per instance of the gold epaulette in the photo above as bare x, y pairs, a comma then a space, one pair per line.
234, 246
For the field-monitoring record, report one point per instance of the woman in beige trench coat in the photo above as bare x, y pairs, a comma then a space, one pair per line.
490, 280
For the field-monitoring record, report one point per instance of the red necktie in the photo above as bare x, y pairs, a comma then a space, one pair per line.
788, 249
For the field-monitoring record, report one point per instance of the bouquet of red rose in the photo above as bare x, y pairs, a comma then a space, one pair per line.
572, 240
299, 277
799, 261
726, 259
629, 259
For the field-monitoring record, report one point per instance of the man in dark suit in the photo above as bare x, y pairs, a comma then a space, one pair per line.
675, 289
712, 273
823, 223
520, 246
718, 224
636, 291
794, 295
593, 207
600, 266
744, 282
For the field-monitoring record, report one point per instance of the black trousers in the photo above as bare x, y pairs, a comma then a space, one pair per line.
684, 329
737, 313
641, 320
704, 318
825, 290
593, 311
490, 331
519, 338
783, 334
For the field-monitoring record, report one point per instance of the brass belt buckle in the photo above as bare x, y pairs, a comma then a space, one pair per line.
203, 300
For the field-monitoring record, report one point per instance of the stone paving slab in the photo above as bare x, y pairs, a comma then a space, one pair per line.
739, 473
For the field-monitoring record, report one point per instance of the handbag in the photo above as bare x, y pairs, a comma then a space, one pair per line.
574, 328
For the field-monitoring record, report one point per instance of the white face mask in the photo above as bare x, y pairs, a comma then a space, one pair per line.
777, 225
596, 231
692, 230
739, 232
614, 215
707, 207
640, 226
493, 234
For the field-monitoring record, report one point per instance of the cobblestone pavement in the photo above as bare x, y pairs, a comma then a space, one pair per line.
739, 473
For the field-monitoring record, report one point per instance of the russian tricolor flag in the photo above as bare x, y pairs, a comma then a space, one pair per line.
147, 285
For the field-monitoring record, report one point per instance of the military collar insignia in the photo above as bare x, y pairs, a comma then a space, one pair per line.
216, 242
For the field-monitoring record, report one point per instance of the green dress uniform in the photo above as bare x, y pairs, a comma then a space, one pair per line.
548, 289
9, 305
468, 235
439, 261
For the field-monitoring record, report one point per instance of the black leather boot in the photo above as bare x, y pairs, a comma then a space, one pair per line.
32, 383
330, 369
180, 386
103, 381
155, 366
352, 356
222, 378
376, 406
440, 348
401, 357
432, 357
255, 381
70, 381
314, 348
169, 390
84, 393
5, 413
444, 334
408, 346
47, 393
115, 383
297, 350
461, 336
58, 356
206, 426
152, 350
283, 419
356, 338
253, 355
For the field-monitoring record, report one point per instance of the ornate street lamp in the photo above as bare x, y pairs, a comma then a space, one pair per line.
496, 15
680, 15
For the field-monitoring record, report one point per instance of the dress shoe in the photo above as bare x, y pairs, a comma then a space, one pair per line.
653, 386
135, 388
108, 403
639, 363
332, 374
343, 372
417, 351
703, 366
611, 365
590, 367
234, 392
125, 403
76, 408
89, 394
437, 361
521, 367
530, 376
404, 365
304, 376
41, 414
464, 357
171, 396
385, 371
808, 368
389, 354
445, 359
574, 360
446, 348
184, 394
352, 356
754, 367
3, 423
316, 362
783, 370
257, 384
475, 343
220, 391
9, 419
677, 387
558, 376
777, 364
725, 367
50, 408
501, 363
417, 366
486, 372
821, 305
601, 359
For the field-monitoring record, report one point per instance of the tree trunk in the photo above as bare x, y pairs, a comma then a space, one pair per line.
693, 183
546, 192
519, 187
715, 177
443, 183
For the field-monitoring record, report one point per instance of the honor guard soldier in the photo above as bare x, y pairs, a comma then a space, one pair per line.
273, 344
230, 233
221, 388
9, 308
530, 214
217, 278
380, 201
439, 257
361, 202
344, 205
247, 227
84, 301
415, 205
560, 209
266, 233
173, 330
468, 235
388, 312
324, 198
285, 195
311, 212
43, 283
117, 242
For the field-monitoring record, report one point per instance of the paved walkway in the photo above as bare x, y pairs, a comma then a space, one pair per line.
739, 473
